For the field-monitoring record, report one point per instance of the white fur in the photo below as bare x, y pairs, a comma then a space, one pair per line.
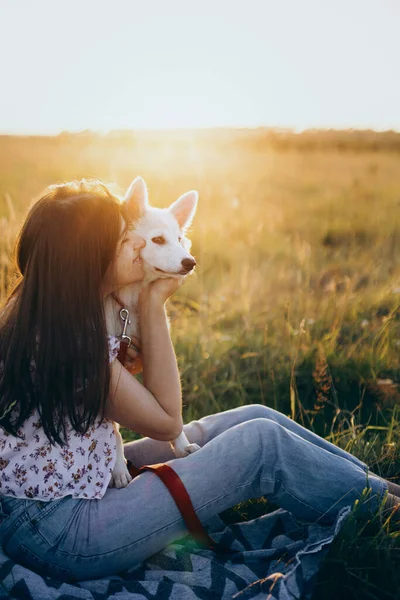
159, 261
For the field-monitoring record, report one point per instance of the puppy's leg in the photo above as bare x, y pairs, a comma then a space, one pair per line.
120, 476
182, 447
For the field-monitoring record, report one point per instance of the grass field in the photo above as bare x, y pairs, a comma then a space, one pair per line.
295, 302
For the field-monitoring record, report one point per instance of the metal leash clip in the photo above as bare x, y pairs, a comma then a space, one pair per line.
124, 316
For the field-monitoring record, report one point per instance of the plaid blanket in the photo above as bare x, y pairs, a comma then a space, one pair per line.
279, 559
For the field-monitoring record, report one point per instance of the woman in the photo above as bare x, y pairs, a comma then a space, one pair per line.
61, 386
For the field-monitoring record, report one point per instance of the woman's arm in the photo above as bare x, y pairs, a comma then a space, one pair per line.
155, 409
160, 369
131, 405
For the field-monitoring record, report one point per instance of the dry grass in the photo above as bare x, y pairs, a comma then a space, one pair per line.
295, 303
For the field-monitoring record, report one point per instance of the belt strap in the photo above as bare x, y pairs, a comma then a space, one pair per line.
182, 499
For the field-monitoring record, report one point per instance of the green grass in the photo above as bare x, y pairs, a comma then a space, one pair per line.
295, 303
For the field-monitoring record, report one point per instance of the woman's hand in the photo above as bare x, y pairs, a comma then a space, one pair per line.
161, 289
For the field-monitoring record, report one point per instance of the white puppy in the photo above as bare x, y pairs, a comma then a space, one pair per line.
166, 254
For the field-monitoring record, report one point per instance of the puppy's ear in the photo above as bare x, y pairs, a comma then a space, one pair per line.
136, 198
184, 208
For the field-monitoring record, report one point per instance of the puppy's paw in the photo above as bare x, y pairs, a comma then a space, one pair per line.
120, 477
180, 452
191, 448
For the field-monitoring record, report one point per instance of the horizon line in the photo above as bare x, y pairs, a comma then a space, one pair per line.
276, 128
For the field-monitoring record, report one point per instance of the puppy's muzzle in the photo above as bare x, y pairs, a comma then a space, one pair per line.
188, 264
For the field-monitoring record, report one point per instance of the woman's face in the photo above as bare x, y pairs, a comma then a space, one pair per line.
127, 265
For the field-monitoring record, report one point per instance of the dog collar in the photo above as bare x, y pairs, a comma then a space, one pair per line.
117, 300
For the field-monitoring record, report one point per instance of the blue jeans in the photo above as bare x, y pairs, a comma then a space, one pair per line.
246, 452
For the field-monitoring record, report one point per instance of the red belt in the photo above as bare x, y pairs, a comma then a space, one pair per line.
182, 499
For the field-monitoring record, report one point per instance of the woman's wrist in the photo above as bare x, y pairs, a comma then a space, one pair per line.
150, 301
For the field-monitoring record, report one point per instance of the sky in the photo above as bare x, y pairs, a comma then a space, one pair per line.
149, 64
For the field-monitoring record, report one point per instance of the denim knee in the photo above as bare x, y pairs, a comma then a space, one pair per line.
257, 411
261, 424
261, 435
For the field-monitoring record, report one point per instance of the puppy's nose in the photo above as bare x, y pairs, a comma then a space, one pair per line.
188, 264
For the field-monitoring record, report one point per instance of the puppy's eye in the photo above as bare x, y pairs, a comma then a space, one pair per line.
179, 239
160, 240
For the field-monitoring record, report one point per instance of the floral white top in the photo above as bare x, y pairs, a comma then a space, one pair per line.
33, 468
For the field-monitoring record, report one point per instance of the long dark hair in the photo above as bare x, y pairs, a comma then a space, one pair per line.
53, 345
